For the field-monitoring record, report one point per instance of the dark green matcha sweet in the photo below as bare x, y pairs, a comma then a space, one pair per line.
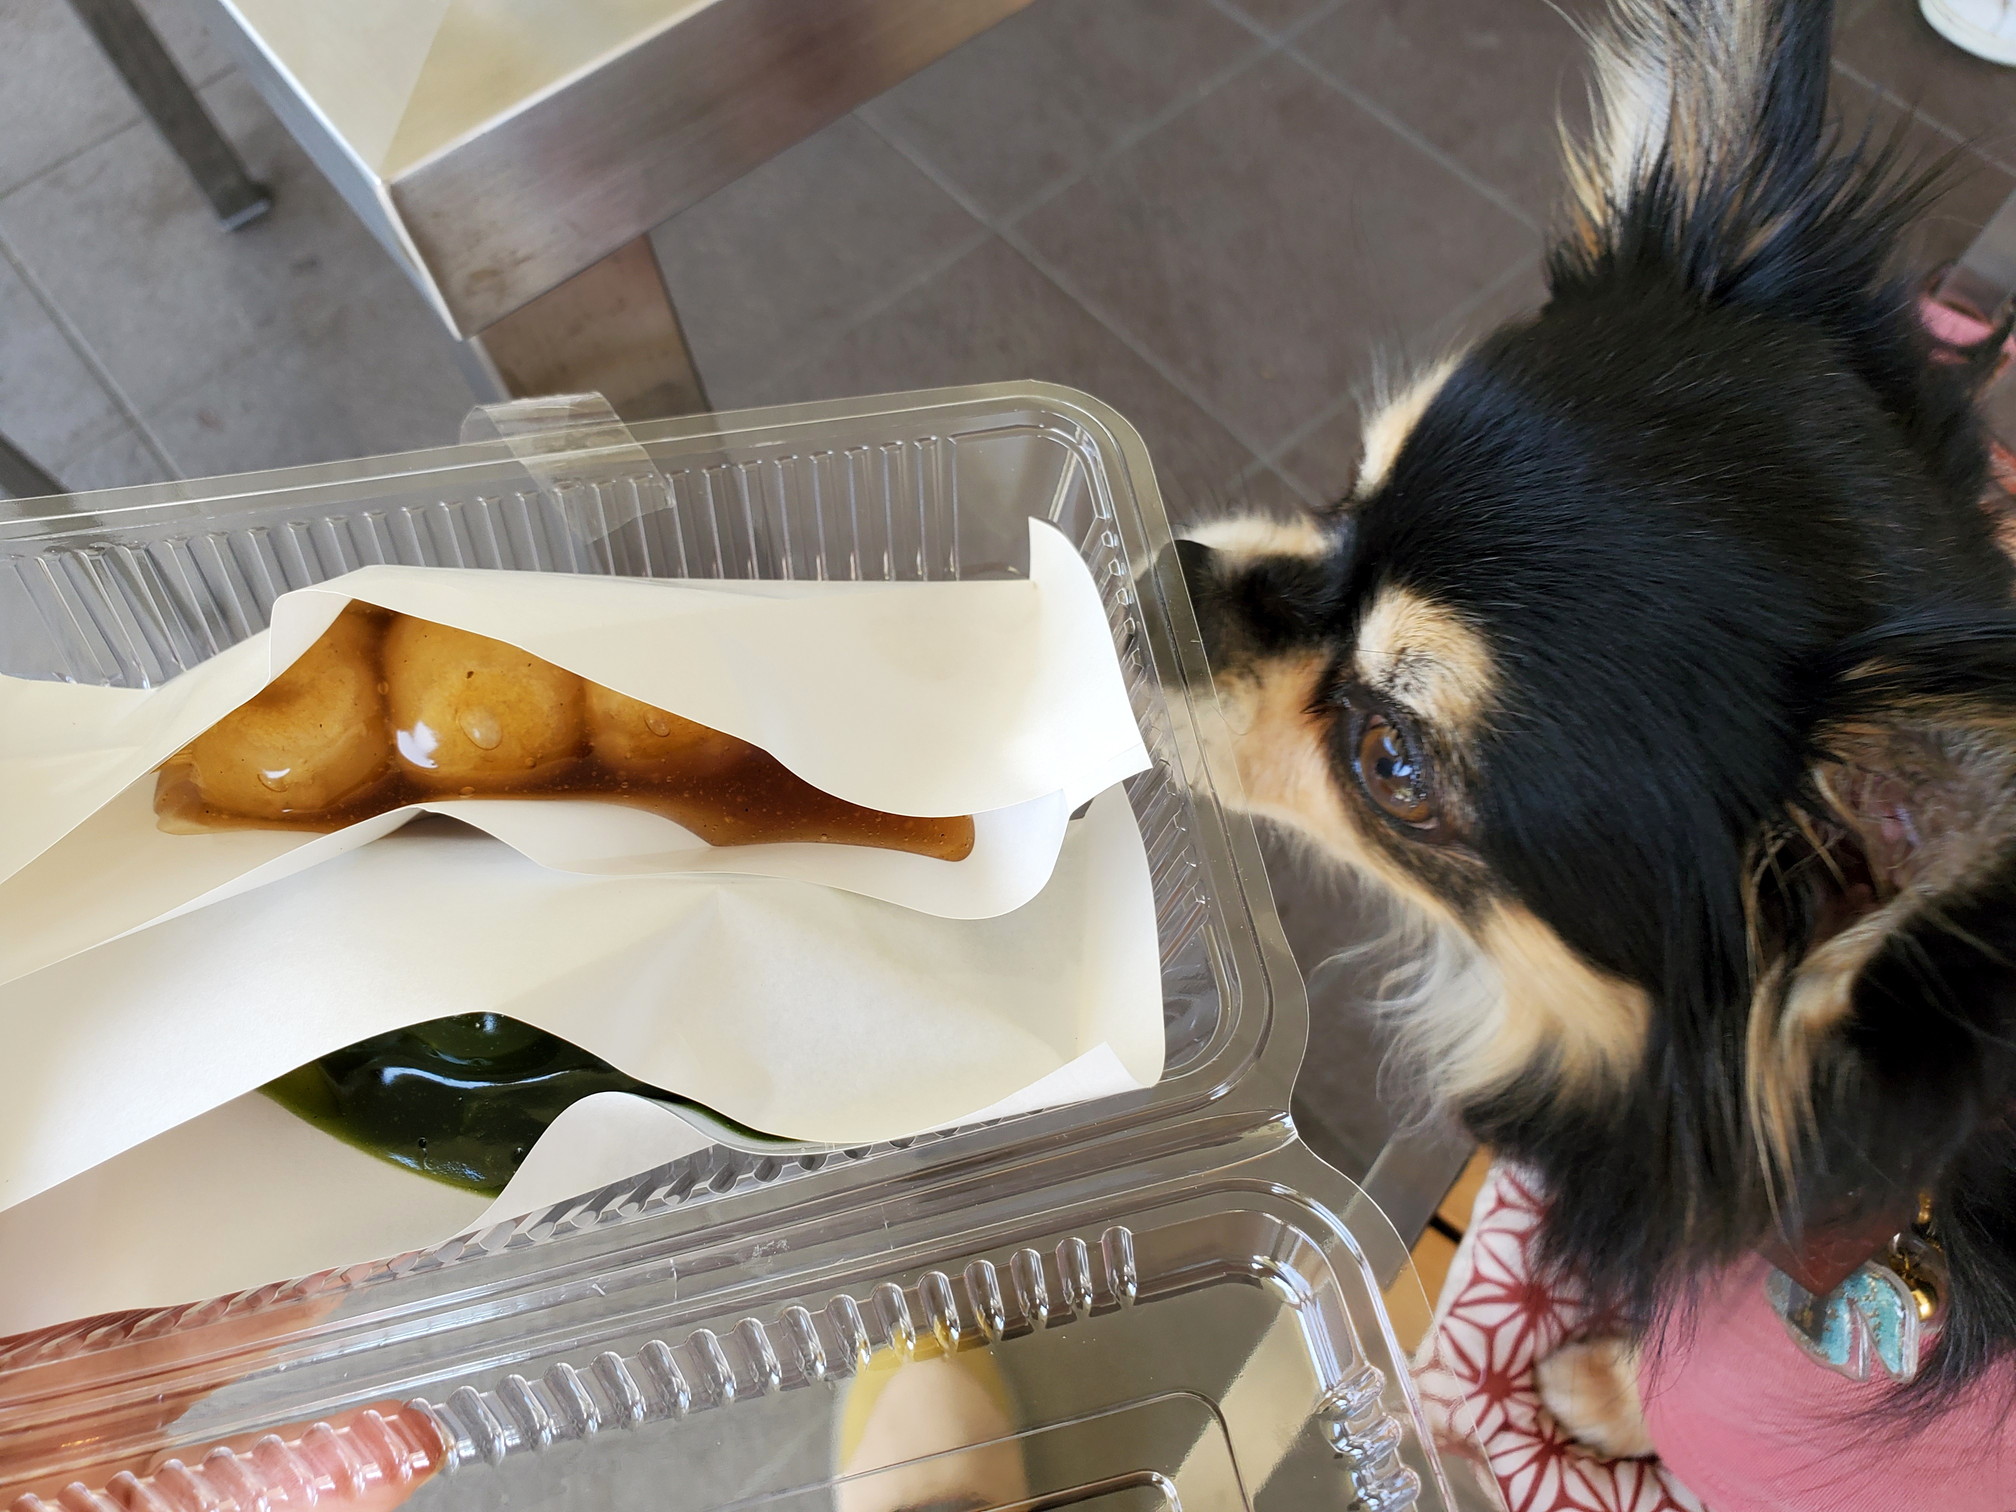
459, 1099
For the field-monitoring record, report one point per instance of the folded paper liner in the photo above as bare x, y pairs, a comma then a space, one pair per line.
147, 1229
1002, 700
805, 990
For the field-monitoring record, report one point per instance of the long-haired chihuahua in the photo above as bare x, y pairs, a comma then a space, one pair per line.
1662, 664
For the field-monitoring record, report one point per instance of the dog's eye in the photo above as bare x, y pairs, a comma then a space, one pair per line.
1393, 777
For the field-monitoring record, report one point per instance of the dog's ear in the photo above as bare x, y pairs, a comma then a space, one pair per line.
1710, 163
1886, 911
1709, 157
1701, 111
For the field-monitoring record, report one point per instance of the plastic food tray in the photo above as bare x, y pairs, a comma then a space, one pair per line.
1185, 1302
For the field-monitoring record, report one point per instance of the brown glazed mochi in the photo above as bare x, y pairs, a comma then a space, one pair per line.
385, 710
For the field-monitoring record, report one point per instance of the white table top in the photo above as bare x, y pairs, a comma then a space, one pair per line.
398, 80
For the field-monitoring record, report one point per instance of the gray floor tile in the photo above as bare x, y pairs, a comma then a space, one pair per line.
795, 252
1978, 186
1279, 15
1266, 492
57, 92
293, 340
1269, 238
191, 34
353, 396
1486, 81
58, 95
1891, 44
993, 318
1042, 95
1518, 292
1254, 490
116, 459
1325, 461
1337, 1103
51, 405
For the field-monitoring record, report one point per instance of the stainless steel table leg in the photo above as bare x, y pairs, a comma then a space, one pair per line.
123, 32
20, 476
610, 328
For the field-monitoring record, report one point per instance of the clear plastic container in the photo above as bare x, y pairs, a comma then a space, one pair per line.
1185, 1302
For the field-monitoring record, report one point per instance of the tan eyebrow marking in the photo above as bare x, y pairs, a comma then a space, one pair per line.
1393, 422
1425, 656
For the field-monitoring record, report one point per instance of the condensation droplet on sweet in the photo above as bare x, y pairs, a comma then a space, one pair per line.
481, 726
276, 781
384, 687
657, 724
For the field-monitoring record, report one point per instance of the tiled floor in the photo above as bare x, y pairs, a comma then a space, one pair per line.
1219, 215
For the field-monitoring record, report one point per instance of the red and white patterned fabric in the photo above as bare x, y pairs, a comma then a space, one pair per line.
1497, 1319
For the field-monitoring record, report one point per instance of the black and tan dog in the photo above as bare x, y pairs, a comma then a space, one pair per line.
1663, 663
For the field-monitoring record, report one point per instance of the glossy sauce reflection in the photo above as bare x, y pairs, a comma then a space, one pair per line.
385, 710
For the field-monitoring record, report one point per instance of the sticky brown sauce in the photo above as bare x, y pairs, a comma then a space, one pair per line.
386, 710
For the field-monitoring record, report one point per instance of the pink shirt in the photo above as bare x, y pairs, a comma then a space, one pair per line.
1748, 1423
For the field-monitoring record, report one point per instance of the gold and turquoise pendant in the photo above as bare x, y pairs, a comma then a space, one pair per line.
1882, 1317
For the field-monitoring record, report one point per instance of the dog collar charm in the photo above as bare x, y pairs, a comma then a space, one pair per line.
1881, 1317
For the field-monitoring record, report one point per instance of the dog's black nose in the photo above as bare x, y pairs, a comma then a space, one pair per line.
1194, 563
1192, 567
1188, 567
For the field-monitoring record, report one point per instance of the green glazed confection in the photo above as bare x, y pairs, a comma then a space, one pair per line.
460, 1099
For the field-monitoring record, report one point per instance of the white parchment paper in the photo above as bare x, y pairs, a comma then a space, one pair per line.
149, 983
154, 1228
803, 1011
